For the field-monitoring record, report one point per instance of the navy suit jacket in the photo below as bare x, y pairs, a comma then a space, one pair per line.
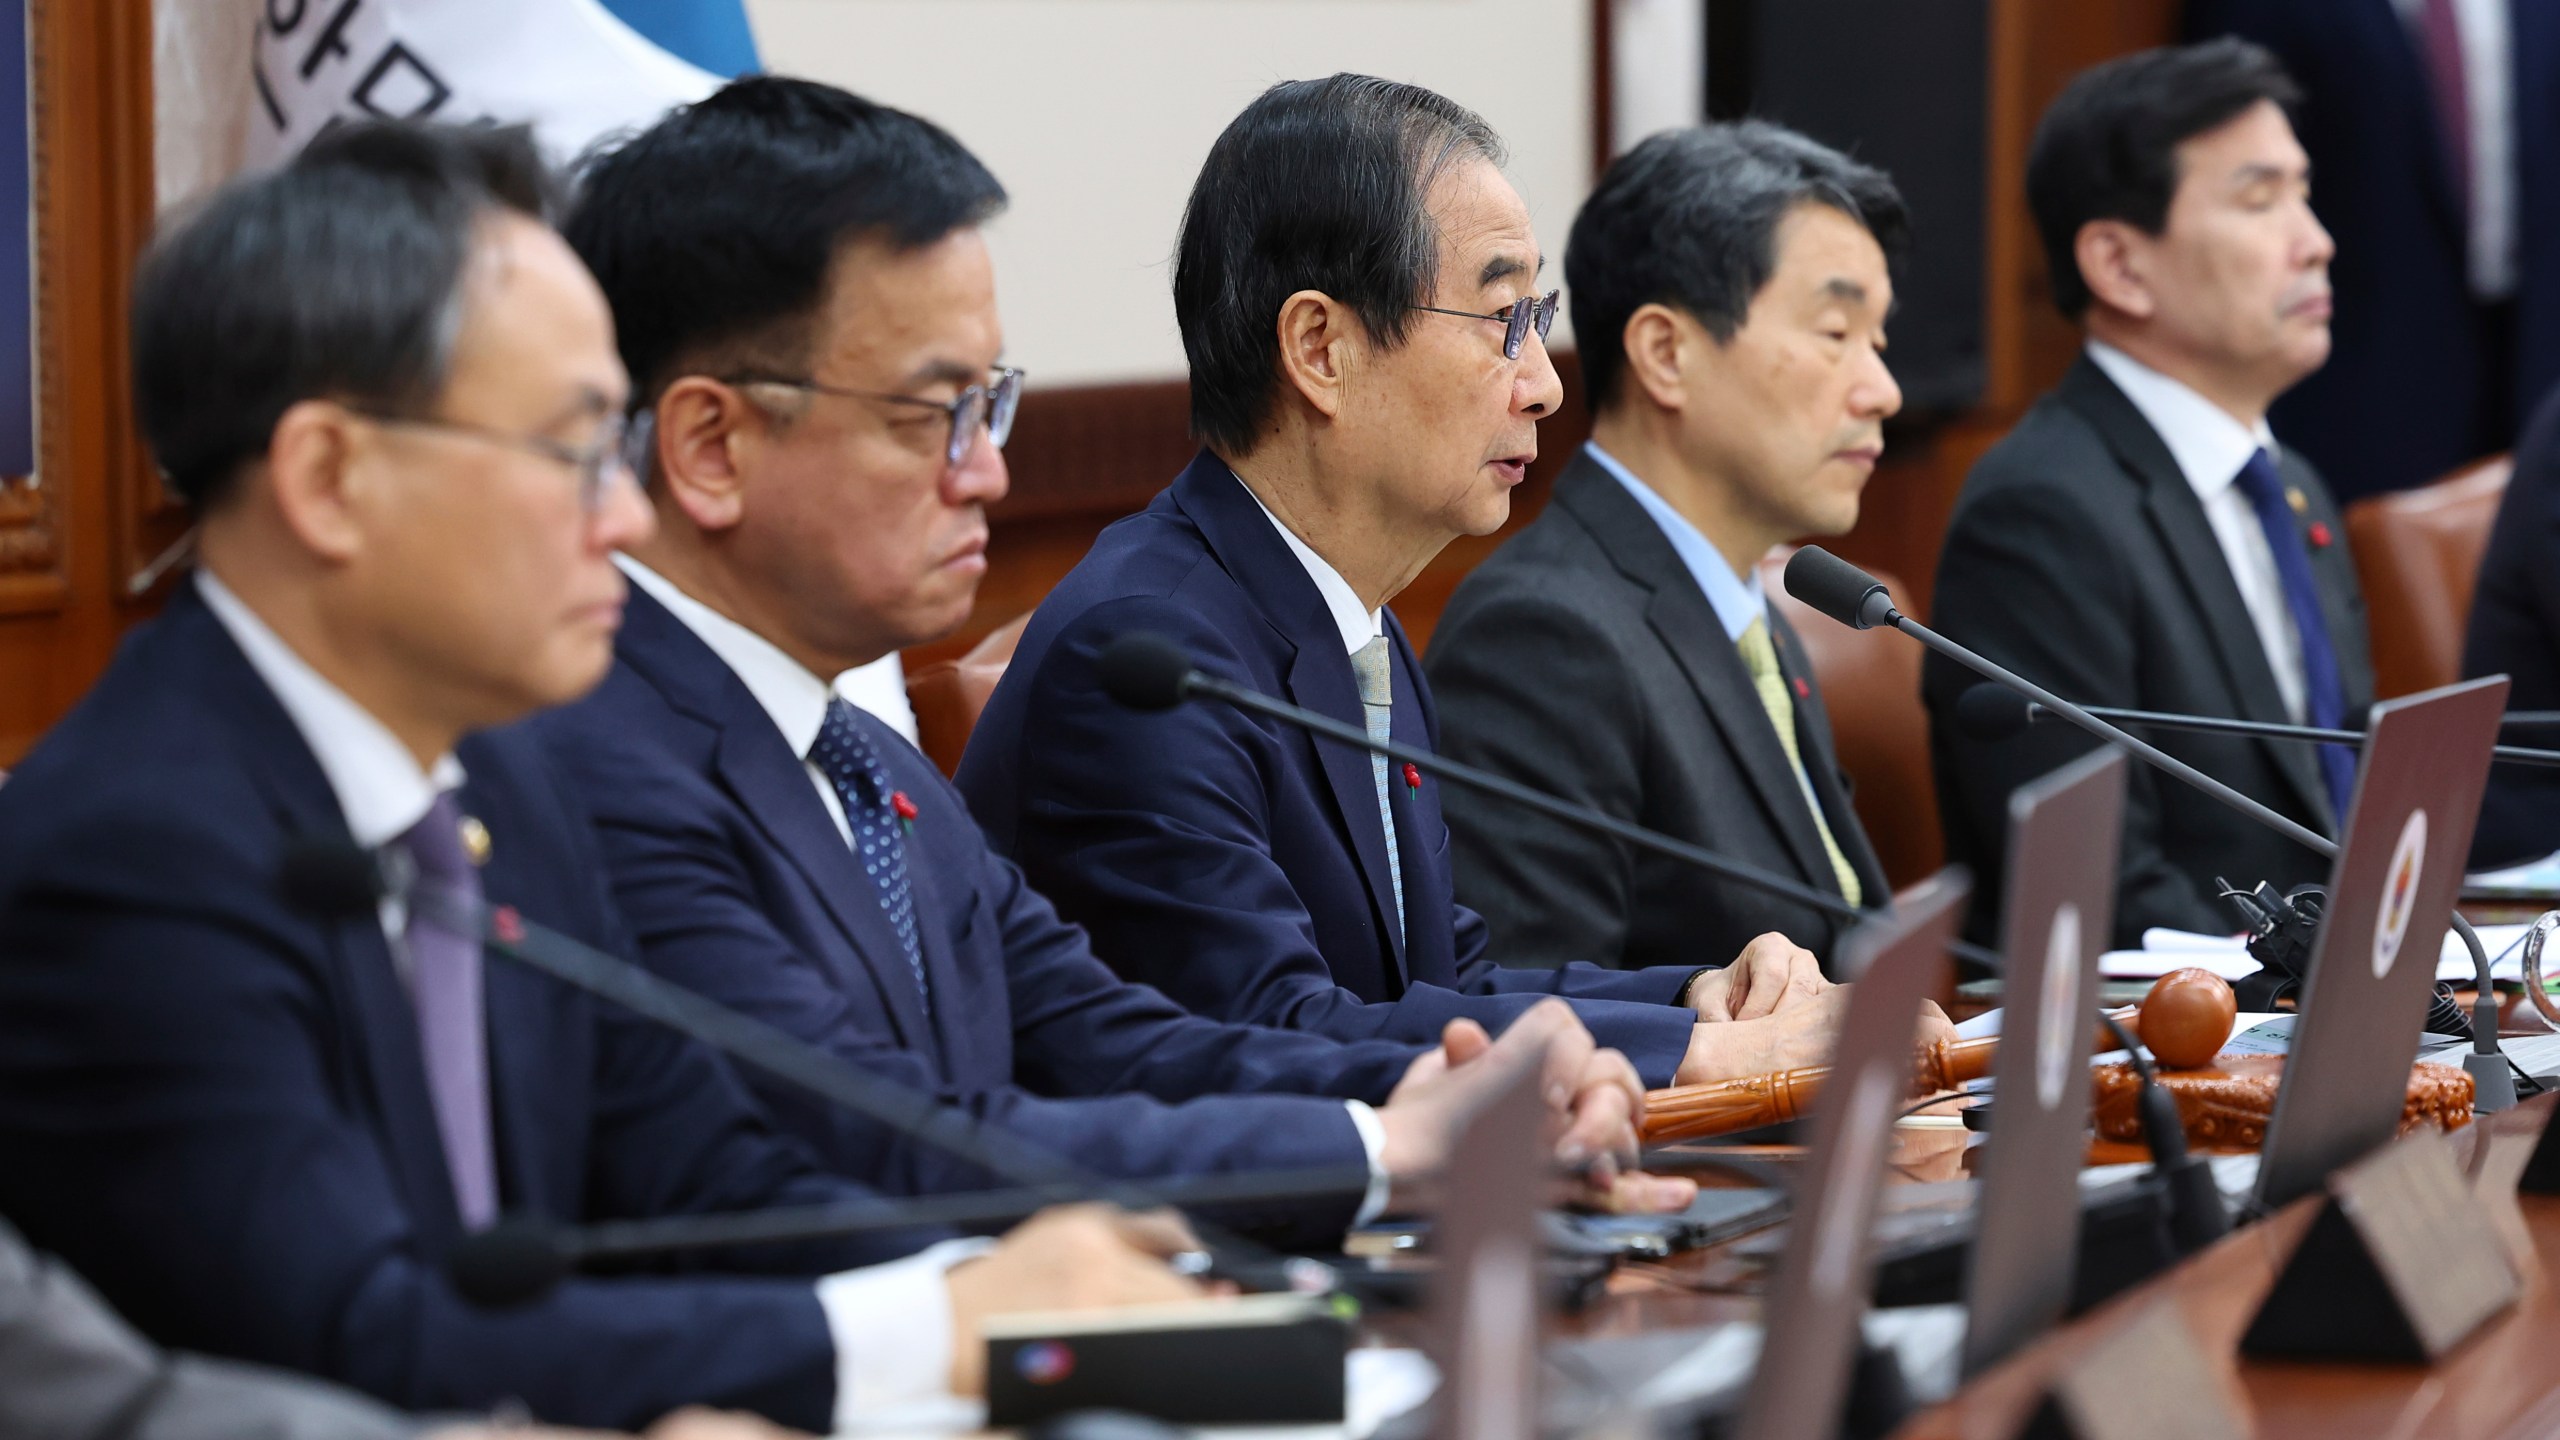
213, 1105
735, 882
1229, 860
2411, 389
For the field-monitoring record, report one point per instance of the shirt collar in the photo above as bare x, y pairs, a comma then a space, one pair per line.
1359, 624
379, 786
2208, 444
1737, 599
795, 699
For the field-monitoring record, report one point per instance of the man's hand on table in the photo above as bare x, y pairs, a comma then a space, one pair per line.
1771, 974
1798, 1036
1077, 1257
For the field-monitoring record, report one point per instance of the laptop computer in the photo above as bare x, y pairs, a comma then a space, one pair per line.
2391, 895
2059, 912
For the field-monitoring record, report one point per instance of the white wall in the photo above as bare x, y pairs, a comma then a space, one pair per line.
1096, 114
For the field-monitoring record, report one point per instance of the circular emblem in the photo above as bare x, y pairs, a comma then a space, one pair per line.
1044, 1362
2399, 893
2060, 1012
1863, 1131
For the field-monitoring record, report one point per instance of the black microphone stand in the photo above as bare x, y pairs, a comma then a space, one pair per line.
2258, 729
1860, 601
1150, 672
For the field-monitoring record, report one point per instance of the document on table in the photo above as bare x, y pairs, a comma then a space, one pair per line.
2228, 955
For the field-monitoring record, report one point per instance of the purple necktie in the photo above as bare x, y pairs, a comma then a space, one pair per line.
444, 984
2449, 85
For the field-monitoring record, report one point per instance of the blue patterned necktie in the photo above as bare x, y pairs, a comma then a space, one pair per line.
444, 989
1377, 700
845, 756
2324, 695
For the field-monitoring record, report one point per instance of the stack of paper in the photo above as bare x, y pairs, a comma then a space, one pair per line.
2228, 955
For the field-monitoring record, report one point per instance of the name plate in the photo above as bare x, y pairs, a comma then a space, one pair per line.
2147, 1380
2402, 1264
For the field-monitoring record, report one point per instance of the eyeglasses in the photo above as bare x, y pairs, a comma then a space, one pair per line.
990, 406
1518, 318
600, 463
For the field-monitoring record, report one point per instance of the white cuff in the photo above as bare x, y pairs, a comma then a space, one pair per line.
892, 1329
1373, 1140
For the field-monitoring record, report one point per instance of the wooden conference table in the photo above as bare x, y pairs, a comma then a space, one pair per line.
2503, 1382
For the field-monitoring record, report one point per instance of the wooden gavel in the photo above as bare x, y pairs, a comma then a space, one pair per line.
2190, 1015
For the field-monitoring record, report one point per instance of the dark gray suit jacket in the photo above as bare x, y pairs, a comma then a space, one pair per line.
70, 1367
1583, 659
2080, 557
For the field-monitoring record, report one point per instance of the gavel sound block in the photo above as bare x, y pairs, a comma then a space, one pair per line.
2184, 1022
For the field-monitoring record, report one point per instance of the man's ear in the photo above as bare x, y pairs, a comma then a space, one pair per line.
2114, 263
1662, 352
702, 428
1317, 333
312, 471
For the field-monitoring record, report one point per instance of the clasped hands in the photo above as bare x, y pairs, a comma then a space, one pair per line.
1773, 1009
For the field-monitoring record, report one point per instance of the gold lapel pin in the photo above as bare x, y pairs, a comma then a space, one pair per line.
475, 839
2300, 502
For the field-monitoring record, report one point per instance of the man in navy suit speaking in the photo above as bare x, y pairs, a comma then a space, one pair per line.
806, 305
1357, 286
390, 395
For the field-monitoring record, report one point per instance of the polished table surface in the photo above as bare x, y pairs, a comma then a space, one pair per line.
2502, 1382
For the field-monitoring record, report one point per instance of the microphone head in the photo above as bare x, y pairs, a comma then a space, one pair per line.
331, 879
1837, 588
513, 1262
1146, 672
1993, 712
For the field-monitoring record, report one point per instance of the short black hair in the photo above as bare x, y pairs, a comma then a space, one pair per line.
1318, 185
2108, 147
716, 228
338, 276
1690, 219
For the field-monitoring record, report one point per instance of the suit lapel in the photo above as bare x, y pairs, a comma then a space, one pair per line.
380, 1023
1246, 543
2196, 553
1430, 942
1688, 627
755, 765
1822, 765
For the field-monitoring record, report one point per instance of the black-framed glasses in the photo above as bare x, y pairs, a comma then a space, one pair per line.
1518, 319
599, 463
989, 407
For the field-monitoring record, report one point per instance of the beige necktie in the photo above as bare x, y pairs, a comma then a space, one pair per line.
1762, 658
1377, 700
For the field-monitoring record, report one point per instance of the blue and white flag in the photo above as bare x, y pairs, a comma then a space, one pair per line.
577, 70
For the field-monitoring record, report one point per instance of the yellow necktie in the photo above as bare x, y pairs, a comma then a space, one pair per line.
1762, 658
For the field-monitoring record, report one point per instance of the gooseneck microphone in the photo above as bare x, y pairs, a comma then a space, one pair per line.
1151, 673
1858, 600
521, 1257
1989, 712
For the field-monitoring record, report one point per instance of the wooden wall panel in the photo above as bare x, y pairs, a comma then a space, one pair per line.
69, 534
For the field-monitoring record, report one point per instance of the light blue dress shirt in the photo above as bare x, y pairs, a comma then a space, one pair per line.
1737, 601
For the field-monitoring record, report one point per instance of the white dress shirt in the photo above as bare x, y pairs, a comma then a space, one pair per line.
2488, 90
891, 1323
1359, 624
796, 701
2210, 447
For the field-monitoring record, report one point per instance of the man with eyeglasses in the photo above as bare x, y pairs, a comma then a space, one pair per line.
261, 1128
807, 304
1357, 287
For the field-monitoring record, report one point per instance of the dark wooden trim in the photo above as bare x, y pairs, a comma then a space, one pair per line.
1604, 85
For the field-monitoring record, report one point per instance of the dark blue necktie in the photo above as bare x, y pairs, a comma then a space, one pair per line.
845, 756
2324, 695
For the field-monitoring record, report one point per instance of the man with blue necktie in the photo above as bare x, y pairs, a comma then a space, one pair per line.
2141, 539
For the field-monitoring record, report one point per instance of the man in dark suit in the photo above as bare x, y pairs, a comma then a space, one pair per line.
1730, 289
2141, 539
2434, 128
775, 848
388, 392
1356, 286
2515, 631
